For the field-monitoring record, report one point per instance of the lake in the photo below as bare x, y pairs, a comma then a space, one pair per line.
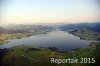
59, 39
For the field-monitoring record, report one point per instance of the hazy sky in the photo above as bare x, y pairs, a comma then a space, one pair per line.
48, 11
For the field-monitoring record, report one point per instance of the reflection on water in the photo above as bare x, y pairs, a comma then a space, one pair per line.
59, 39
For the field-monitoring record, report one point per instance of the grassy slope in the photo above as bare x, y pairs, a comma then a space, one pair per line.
3, 42
13, 36
41, 56
4, 37
86, 34
22, 56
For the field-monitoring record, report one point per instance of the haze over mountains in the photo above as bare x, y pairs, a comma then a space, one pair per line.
89, 26
24, 28
29, 28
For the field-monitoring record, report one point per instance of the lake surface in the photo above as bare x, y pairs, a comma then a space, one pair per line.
59, 39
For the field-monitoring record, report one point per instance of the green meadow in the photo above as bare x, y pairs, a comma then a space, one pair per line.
31, 56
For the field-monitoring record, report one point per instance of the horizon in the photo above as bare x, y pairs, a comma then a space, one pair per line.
51, 11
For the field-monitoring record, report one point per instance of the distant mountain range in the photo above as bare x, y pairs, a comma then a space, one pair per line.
24, 28
29, 28
89, 26
7, 31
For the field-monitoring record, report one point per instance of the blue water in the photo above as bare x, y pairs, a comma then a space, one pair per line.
59, 39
